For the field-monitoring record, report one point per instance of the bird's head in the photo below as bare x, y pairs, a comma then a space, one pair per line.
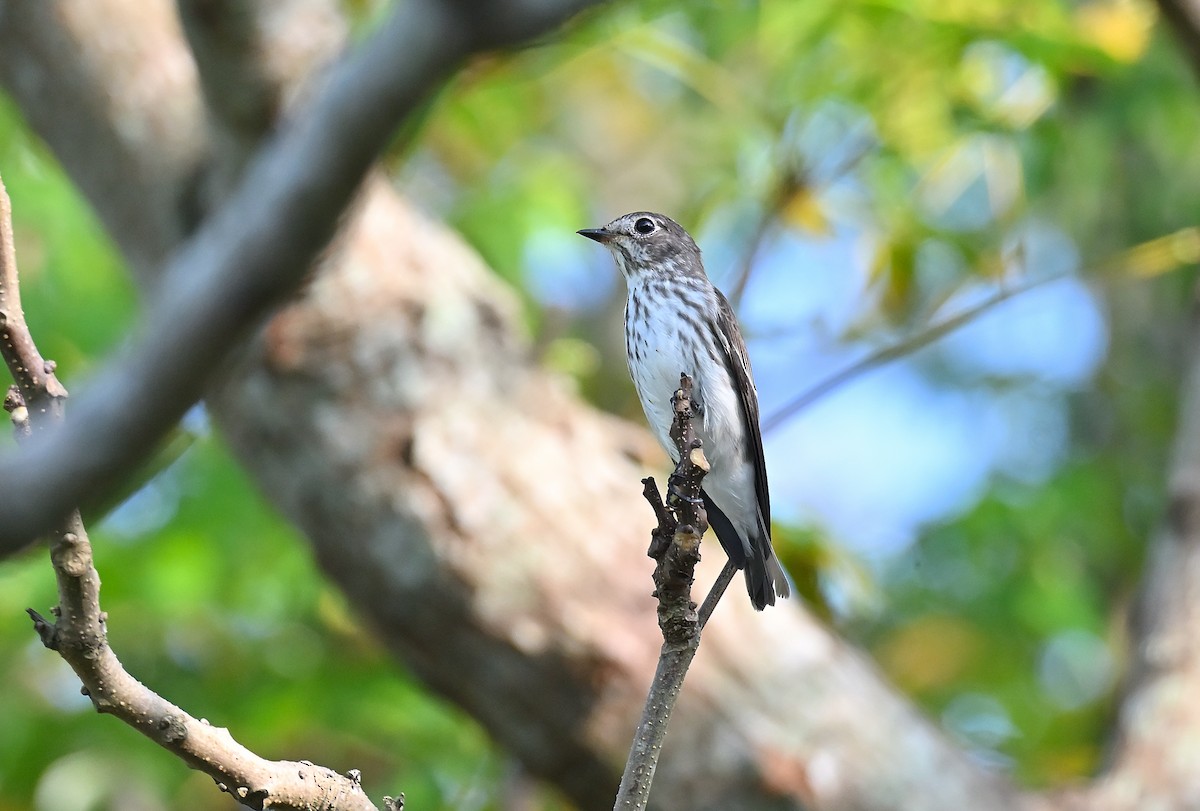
645, 244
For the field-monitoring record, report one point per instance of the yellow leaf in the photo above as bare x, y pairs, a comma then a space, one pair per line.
804, 210
929, 652
1162, 254
1120, 28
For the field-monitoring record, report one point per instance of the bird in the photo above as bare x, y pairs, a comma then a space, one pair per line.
677, 322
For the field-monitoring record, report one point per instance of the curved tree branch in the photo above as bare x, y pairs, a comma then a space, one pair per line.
257, 249
79, 632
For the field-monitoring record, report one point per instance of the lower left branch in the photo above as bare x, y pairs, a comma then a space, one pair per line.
79, 634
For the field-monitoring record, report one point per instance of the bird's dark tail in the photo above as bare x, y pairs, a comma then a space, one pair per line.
765, 577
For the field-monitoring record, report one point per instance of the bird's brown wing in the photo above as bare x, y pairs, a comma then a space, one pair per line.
737, 360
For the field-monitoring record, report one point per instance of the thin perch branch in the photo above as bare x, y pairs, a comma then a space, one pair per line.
79, 631
675, 545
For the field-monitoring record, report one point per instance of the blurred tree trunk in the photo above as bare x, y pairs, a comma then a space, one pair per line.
485, 522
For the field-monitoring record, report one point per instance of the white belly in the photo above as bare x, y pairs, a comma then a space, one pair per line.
665, 355
664, 352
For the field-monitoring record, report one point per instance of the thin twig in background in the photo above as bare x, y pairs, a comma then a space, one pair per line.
79, 632
1147, 259
791, 183
897, 350
770, 213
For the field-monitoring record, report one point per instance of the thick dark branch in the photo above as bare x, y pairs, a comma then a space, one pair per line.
250, 57
250, 255
79, 633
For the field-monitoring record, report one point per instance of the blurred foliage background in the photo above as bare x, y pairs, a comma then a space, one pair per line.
974, 514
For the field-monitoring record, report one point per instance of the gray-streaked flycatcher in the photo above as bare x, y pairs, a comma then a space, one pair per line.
677, 322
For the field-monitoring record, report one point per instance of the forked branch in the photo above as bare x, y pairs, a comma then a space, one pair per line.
675, 545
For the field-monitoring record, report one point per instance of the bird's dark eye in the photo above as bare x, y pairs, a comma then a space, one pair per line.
644, 225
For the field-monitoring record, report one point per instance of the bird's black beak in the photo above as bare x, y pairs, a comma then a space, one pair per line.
601, 235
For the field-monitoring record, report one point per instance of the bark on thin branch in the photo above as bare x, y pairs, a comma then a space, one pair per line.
675, 546
40, 391
79, 631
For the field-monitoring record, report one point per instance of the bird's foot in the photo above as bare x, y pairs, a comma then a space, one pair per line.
675, 494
